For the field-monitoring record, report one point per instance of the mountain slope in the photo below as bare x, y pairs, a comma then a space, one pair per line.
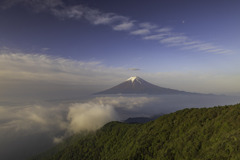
199, 134
136, 85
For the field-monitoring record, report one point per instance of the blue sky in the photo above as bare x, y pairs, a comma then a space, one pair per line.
163, 41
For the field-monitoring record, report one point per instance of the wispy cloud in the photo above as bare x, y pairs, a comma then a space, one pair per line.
43, 67
134, 69
174, 40
148, 25
45, 49
97, 17
140, 32
148, 31
75, 12
155, 37
37, 5
124, 26
165, 29
94, 16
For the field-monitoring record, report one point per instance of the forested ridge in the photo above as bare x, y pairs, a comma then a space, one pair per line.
189, 134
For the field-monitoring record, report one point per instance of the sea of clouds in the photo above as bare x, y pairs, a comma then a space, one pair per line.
29, 129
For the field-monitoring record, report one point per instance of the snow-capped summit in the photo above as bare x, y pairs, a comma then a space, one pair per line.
132, 79
136, 85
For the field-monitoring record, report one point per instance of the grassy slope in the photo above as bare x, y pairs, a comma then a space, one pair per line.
206, 133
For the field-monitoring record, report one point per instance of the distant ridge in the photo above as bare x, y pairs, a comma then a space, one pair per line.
136, 85
140, 120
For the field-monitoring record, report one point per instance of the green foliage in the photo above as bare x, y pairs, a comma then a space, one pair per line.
189, 134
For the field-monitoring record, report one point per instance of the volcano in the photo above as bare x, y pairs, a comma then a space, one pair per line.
136, 85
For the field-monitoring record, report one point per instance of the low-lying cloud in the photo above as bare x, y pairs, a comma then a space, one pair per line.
93, 114
35, 118
89, 116
34, 128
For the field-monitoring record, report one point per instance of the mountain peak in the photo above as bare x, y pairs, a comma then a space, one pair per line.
133, 79
136, 85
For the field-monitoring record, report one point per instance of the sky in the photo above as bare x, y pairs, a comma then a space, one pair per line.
174, 44
54, 54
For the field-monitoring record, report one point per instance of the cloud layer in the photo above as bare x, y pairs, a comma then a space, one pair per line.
74, 117
146, 30
52, 122
25, 128
31, 119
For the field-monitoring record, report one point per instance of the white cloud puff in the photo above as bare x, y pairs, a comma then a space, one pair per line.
89, 116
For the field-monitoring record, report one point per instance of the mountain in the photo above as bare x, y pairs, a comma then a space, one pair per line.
137, 120
136, 85
133, 120
200, 134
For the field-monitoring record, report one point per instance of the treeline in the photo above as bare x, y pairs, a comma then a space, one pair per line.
189, 134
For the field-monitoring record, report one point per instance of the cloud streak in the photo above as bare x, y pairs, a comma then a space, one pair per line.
164, 35
40, 67
134, 69
140, 32
123, 26
46, 77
